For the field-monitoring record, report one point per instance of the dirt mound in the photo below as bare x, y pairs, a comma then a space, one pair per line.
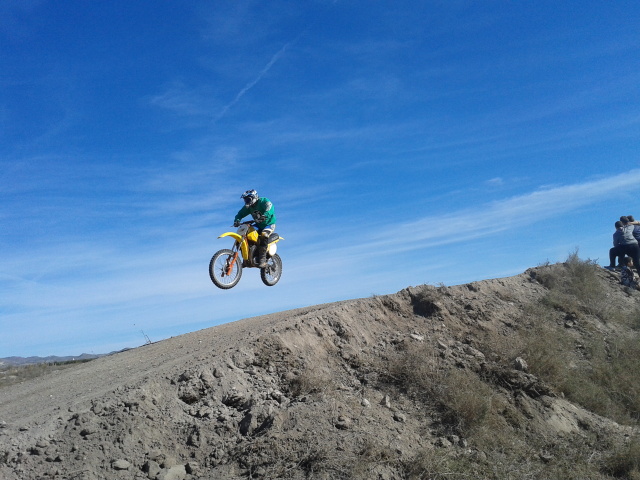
430, 382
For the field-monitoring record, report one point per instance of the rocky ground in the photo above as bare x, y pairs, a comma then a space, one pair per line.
318, 392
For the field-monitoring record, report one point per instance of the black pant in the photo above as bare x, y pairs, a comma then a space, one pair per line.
633, 251
613, 254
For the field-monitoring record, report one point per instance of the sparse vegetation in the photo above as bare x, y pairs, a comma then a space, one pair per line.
596, 371
16, 374
460, 396
310, 381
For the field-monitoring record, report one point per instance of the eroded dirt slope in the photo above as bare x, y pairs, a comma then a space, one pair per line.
306, 393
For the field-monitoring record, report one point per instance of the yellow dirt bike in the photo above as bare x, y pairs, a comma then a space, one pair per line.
225, 267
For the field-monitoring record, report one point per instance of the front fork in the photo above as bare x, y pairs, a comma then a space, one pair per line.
234, 259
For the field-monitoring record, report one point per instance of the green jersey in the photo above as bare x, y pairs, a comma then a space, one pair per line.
262, 212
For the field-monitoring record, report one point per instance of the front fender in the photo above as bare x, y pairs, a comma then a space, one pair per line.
244, 248
233, 235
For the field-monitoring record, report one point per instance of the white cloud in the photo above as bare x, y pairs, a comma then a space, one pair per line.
490, 219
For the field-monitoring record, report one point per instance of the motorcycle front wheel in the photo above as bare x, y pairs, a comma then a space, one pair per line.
272, 272
219, 269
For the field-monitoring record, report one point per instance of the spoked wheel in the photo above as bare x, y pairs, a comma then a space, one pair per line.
222, 275
272, 272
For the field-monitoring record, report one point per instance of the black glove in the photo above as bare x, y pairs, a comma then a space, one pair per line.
236, 223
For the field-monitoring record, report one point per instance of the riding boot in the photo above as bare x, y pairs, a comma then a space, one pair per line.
261, 257
262, 253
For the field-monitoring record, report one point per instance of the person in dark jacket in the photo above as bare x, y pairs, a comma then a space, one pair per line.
627, 242
616, 251
627, 277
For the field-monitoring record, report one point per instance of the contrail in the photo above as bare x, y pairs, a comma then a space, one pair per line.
251, 84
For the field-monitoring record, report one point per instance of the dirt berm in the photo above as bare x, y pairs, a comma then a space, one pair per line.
519, 377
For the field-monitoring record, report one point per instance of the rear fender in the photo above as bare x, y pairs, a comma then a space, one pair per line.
273, 239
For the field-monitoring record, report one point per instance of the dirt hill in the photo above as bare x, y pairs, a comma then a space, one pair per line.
532, 376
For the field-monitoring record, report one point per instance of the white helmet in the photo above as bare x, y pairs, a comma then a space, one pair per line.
250, 197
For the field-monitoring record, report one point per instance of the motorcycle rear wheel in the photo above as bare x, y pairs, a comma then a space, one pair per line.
219, 265
272, 272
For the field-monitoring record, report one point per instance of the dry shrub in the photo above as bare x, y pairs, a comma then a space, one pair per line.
624, 462
601, 376
547, 353
425, 302
281, 457
612, 388
440, 465
466, 400
371, 458
460, 396
310, 381
576, 289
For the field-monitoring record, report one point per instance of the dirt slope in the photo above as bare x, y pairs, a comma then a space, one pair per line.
323, 392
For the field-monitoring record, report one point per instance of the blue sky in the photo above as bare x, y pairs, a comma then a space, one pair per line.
402, 143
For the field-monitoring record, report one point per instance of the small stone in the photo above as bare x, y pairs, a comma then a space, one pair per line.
121, 465
399, 417
520, 364
151, 468
192, 468
343, 422
443, 442
177, 472
546, 457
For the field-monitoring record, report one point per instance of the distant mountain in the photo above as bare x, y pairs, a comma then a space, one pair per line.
16, 361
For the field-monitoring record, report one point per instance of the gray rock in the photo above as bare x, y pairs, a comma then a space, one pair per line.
520, 364
343, 422
192, 468
443, 442
399, 417
177, 472
121, 465
151, 468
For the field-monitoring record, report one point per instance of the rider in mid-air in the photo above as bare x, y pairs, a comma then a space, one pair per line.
264, 215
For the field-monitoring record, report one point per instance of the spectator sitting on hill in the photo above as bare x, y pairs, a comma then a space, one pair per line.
627, 242
616, 251
627, 277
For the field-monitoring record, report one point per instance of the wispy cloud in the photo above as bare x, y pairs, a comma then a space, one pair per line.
490, 219
118, 287
255, 81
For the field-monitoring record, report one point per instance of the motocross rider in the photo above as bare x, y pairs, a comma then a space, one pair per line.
264, 215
